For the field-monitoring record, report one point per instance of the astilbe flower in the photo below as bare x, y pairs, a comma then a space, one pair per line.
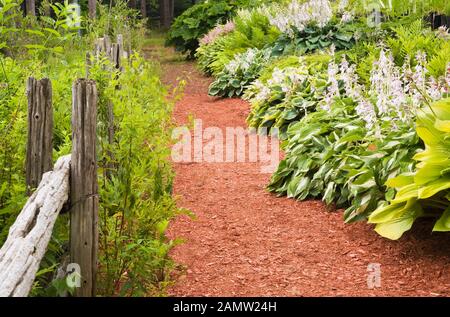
343, 4
346, 17
217, 32
395, 93
286, 79
243, 61
332, 91
297, 15
258, 92
443, 32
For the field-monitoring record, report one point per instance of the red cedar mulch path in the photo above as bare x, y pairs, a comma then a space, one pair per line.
248, 242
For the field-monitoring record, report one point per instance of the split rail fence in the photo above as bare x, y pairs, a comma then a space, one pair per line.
70, 185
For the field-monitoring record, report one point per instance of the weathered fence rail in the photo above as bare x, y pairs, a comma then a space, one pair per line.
28, 237
72, 182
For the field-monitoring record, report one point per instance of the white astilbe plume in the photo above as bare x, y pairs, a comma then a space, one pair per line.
395, 93
244, 61
333, 86
346, 17
299, 15
343, 4
286, 79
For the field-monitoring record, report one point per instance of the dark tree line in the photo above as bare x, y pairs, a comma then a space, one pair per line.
166, 8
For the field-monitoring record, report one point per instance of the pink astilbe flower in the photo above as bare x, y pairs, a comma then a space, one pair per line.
217, 32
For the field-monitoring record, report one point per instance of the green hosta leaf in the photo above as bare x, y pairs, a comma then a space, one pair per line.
394, 220
406, 193
443, 223
434, 188
438, 154
328, 195
302, 188
292, 187
428, 135
442, 125
428, 173
401, 181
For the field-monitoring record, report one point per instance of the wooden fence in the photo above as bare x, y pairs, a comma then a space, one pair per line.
71, 184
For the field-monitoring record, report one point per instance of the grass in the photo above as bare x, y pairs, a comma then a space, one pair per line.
154, 48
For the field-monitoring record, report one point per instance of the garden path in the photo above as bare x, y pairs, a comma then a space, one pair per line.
247, 242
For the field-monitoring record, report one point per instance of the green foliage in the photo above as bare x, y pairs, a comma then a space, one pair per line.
240, 72
330, 156
44, 36
288, 94
426, 191
314, 38
252, 30
9, 10
373, 165
317, 146
210, 58
118, 19
12, 141
439, 63
411, 39
400, 8
135, 201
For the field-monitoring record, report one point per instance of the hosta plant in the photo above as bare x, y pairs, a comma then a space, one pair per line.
238, 73
317, 147
288, 95
313, 38
426, 192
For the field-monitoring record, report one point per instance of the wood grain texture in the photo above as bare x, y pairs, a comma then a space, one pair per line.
84, 187
40, 131
28, 237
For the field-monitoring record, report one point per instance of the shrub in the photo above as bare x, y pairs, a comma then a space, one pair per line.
196, 21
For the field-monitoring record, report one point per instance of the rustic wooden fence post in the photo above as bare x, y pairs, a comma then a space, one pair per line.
83, 185
88, 64
40, 131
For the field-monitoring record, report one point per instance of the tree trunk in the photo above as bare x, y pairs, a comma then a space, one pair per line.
144, 8
171, 11
132, 4
92, 4
46, 4
166, 8
30, 6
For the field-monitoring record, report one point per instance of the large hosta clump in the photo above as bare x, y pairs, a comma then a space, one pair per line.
330, 156
426, 192
239, 73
